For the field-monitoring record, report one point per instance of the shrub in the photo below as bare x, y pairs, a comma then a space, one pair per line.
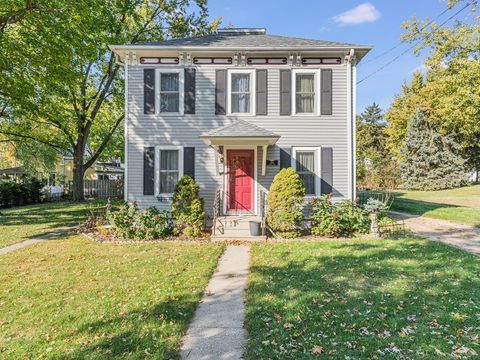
338, 219
129, 222
187, 208
284, 203
28, 191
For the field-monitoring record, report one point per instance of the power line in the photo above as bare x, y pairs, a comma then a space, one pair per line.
413, 46
403, 41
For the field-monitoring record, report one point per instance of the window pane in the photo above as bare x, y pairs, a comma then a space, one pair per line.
304, 83
169, 82
309, 181
168, 159
169, 102
241, 83
240, 103
305, 161
305, 93
305, 103
168, 181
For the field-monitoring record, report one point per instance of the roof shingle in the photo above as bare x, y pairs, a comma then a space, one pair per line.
240, 128
247, 39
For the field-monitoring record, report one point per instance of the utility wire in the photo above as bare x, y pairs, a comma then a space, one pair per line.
413, 46
403, 41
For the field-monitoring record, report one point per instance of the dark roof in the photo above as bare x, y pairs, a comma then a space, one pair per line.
249, 38
240, 128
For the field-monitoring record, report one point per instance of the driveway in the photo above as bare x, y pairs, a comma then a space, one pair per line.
465, 237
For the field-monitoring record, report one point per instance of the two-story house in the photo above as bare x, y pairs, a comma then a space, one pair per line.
233, 108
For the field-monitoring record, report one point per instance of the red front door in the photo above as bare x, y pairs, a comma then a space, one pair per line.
240, 174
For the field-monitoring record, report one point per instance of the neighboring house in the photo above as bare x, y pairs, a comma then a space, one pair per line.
231, 109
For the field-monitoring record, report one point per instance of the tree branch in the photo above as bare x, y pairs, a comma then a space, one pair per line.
22, 136
102, 146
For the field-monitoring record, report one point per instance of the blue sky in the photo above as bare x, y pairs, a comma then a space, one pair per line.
372, 22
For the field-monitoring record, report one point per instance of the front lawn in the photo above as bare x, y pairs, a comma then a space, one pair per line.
72, 298
460, 205
21, 223
363, 299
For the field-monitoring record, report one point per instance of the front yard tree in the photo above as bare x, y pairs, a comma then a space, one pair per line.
452, 93
372, 153
430, 161
60, 84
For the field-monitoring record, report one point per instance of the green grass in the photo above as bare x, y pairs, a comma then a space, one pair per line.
75, 299
21, 223
363, 299
460, 205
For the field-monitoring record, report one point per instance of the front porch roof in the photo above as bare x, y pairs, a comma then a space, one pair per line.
240, 132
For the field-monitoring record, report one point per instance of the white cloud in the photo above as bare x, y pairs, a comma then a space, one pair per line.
363, 13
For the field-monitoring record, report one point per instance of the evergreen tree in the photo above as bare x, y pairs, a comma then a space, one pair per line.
430, 161
374, 162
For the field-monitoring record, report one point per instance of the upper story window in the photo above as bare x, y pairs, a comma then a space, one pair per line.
306, 89
241, 91
170, 91
305, 93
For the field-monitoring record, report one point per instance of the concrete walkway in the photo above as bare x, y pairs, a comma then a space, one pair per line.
25, 243
216, 331
464, 237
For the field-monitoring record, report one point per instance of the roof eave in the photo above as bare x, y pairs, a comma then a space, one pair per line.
230, 48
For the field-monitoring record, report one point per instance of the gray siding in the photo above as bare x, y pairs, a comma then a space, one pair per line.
145, 130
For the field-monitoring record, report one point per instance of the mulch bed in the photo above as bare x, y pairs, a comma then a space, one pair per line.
106, 236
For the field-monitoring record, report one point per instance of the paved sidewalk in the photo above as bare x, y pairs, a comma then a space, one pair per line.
216, 331
25, 243
465, 237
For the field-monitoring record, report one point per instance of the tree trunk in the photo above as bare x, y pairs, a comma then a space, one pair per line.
78, 172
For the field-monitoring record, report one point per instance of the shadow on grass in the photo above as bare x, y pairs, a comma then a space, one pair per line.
350, 295
151, 331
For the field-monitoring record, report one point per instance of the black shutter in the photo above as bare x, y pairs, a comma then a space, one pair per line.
285, 159
261, 102
189, 96
327, 170
285, 92
326, 92
189, 161
149, 91
221, 92
148, 171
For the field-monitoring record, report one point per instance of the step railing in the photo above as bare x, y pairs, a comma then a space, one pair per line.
217, 210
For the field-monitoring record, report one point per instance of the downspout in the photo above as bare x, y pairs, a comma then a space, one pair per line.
350, 60
125, 126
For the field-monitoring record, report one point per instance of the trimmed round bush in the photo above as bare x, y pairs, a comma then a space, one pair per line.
284, 200
187, 208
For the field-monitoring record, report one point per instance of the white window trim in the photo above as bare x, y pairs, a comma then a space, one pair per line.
157, 166
318, 154
316, 100
181, 91
253, 96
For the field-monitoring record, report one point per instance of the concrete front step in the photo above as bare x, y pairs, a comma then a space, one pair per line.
238, 238
237, 222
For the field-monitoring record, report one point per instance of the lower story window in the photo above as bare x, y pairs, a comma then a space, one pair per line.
168, 170
305, 161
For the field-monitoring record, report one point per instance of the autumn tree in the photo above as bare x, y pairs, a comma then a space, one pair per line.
451, 96
402, 109
60, 84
